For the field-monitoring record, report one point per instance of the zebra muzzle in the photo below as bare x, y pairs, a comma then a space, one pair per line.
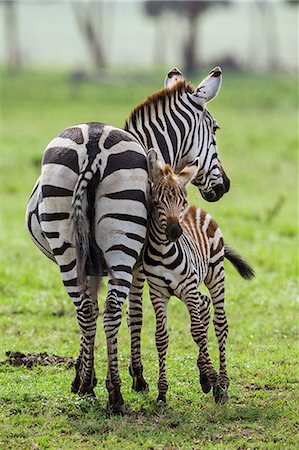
173, 229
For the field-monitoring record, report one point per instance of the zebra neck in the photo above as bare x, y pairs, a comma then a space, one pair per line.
156, 235
160, 126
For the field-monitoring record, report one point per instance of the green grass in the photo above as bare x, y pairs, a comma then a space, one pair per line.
257, 143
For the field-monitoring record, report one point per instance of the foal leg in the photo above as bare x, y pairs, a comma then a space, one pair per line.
134, 321
215, 284
208, 374
205, 315
160, 306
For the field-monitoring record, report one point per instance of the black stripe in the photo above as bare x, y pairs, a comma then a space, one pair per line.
60, 250
128, 194
126, 218
119, 282
51, 234
46, 217
68, 267
72, 282
161, 143
135, 237
55, 191
126, 160
34, 191
62, 155
74, 133
121, 268
116, 136
124, 249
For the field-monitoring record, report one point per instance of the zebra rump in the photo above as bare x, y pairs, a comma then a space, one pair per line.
242, 266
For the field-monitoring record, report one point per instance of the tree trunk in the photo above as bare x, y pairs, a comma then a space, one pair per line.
189, 56
84, 14
14, 58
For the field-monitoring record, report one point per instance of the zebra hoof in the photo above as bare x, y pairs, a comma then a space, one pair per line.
116, 409
161, 398
138, 382
220, 394
88, 392
75, 386
116, 404
205, 383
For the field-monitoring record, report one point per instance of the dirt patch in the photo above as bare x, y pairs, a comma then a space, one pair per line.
34, 359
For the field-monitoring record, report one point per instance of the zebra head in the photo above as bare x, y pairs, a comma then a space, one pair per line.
169, 196
211, 178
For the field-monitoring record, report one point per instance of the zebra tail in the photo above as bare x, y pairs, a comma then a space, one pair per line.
81, 230
242, 266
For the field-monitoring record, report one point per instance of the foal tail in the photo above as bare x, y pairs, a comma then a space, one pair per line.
242, 266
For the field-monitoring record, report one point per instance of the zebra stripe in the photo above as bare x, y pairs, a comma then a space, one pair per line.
186, 246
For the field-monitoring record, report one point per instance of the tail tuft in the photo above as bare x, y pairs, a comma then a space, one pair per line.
242, 266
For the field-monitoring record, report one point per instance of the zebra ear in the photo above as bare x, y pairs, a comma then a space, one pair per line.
173, 76
209, 87
187, 174
154, 168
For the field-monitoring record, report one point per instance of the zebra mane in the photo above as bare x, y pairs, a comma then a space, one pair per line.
180, 87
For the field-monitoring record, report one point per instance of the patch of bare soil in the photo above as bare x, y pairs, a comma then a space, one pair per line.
33, 359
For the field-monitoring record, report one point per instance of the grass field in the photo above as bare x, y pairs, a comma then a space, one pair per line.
258, 145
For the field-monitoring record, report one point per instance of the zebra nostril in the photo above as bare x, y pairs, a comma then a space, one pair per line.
173, 231
219, 189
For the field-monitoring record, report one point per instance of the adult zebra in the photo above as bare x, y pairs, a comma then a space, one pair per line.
94, 182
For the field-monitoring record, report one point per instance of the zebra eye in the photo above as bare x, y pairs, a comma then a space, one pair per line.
215, 128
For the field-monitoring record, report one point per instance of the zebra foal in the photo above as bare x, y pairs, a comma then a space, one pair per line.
185, 247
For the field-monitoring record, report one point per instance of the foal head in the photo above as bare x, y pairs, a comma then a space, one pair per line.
169, 196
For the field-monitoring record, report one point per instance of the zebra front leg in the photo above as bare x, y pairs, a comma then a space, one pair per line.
160, 307
134, 321
216, 288
208, 374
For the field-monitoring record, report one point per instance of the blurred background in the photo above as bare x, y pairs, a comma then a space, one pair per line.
96, 36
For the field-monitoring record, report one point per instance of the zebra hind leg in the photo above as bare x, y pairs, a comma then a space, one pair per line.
87, 314
134, 322
208, 374
112, 320
205, 314
216, 288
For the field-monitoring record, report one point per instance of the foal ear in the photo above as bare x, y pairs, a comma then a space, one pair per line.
154, 167
187, 174
173, 76
209, 87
